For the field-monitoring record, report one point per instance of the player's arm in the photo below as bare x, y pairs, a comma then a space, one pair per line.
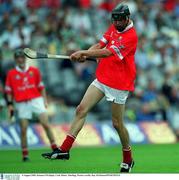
121, 50
10, 106
10, 101
9, 96
96, 53
98, 50
96, 46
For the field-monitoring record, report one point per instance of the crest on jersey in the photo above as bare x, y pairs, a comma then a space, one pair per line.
120, 37
17, 77
120, 46
31, 73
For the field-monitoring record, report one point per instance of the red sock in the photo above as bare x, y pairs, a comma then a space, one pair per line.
67, 143
25, 152
127, 155
53, 146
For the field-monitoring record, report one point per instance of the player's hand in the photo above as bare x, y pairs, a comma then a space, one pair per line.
11, 117
82, 59
46, 104
78, 56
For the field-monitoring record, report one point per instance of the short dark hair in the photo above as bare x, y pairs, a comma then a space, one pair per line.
19, 53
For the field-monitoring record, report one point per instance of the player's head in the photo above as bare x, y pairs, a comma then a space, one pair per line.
120, 17
19, 57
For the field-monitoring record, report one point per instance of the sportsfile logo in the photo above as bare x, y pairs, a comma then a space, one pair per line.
1, 176
10, 177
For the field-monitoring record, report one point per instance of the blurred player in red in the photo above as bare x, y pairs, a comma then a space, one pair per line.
115, 77
24, 86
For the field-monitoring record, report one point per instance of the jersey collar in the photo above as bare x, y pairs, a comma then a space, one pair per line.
128, 27
20, 70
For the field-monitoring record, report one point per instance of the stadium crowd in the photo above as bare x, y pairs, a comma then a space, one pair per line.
63, 26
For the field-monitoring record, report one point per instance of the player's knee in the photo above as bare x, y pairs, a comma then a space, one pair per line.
45, 125
117, 123
43, 117
81, 111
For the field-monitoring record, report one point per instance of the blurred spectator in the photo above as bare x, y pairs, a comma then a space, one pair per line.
107, 5
34, 4
85, 3
3, 110
2, 100
170, 5
79, 20
153, 104
20, 4
142, 59
6, 59
5, 6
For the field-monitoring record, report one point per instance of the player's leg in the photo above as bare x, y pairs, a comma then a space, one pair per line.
118, 123
38, 107
117, 120
118, 99
92, 96
43, 118
23, 134
23, 115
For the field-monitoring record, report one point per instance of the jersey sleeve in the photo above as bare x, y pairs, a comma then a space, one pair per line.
40, 84
8, 85
123, 47
106, 37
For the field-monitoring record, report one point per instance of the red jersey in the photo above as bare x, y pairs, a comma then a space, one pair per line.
118, 71
24, 85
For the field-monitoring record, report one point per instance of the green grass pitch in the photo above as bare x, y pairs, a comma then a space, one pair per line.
149, 158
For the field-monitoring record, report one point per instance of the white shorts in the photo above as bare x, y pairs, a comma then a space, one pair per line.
25, 110
111, 94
